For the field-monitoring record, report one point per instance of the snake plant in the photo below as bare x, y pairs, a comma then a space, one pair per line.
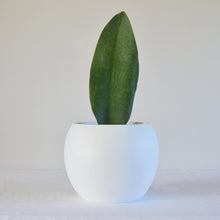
114, 72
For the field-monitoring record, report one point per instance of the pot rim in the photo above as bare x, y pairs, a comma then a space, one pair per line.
124, 125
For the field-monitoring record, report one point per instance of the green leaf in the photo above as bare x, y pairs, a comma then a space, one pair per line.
114, 72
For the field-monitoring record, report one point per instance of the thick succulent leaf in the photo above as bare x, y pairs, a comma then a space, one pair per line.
114, 72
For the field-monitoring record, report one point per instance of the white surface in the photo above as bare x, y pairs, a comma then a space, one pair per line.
46, 48
127, 153
174, 195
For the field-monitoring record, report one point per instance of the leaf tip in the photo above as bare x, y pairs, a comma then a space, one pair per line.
122, 13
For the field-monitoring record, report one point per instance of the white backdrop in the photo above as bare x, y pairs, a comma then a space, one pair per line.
46, 48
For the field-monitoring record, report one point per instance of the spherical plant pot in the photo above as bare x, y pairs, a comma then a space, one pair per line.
111, 163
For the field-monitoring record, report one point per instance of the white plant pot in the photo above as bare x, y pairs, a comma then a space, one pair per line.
111, 163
